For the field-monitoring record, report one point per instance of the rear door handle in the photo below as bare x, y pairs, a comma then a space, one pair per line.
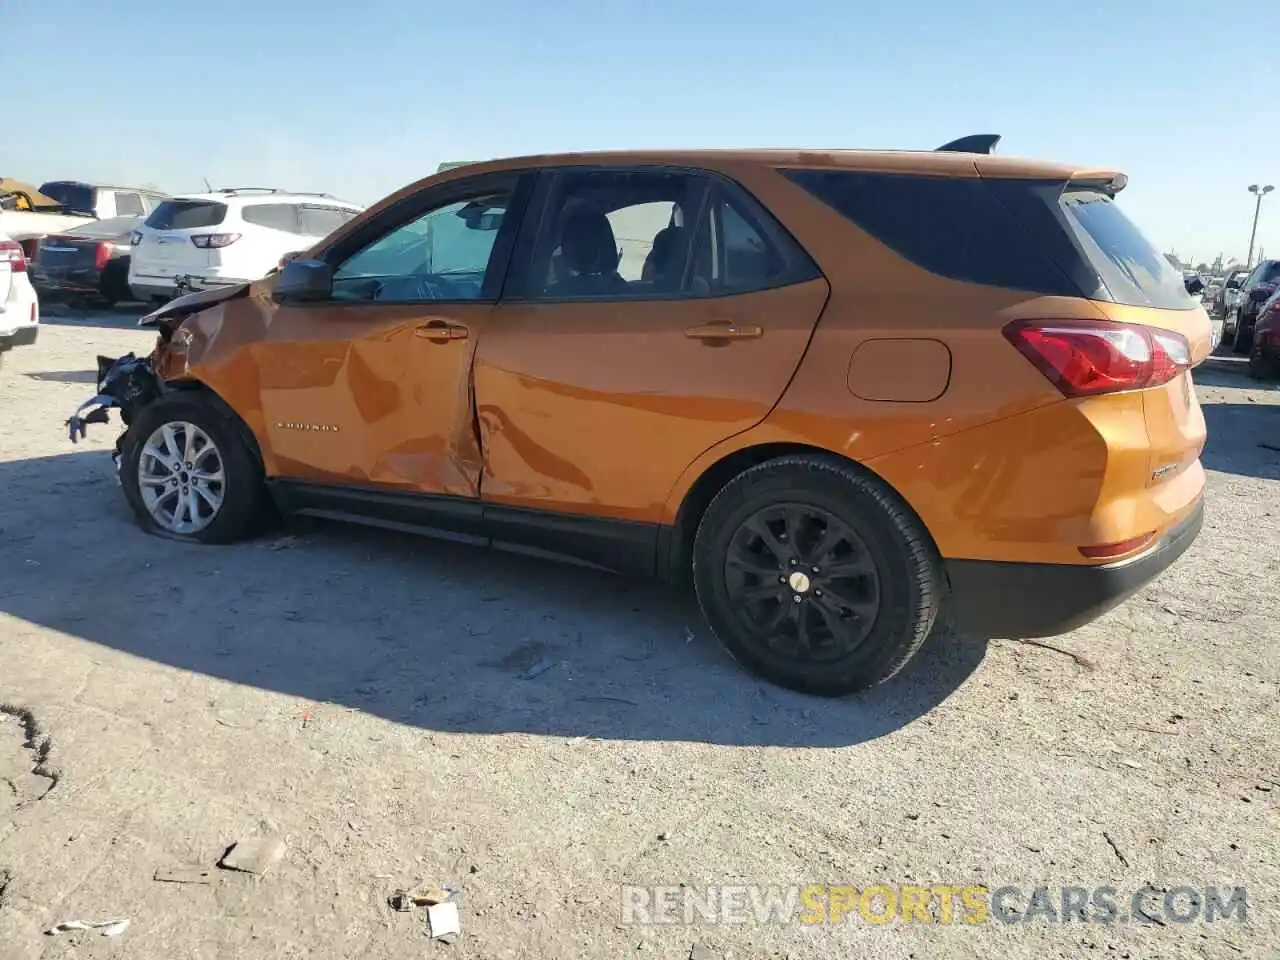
438, 331
724, 330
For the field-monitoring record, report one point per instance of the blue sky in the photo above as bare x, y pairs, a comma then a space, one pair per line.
360, 98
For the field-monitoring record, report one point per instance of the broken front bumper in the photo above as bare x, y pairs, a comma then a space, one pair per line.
128, 383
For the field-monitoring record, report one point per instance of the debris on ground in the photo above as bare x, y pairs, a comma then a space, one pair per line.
1077, 657
183, 874
403, 900
538, 669
442, 919
254, 855
703, 952
109, 928
284, 543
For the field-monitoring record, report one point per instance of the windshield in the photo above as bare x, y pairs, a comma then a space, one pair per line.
186, 214
77, 197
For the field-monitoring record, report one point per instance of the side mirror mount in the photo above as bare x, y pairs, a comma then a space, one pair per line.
1194, 285
305, 281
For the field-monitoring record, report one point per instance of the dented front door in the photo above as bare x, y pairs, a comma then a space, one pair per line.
372, 396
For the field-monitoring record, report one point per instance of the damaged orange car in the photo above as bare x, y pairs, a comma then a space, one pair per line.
839, 392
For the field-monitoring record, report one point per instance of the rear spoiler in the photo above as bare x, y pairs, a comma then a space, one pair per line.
974, 143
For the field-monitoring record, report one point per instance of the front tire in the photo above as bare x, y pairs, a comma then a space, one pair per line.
815, 575
188, 473
1243, 338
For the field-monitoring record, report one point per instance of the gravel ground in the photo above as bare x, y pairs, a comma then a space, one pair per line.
535, 736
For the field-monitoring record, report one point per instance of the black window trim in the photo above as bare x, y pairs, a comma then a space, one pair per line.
799, 264
420, 204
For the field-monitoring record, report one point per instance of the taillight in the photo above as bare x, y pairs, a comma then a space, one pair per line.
101, 254
206, 241
11, 253
1092, 357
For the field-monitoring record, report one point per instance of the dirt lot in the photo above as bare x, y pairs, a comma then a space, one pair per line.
534, 736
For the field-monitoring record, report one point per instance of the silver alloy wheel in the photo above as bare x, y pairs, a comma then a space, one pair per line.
180, 477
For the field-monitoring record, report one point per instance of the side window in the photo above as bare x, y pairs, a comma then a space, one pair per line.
321, 221
732, 254
615, 234
128, 205
440, 255
276, 216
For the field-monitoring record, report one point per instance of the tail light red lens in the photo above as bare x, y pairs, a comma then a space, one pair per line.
101, 254
207, 241
11, 252
1089, 358
1105, 551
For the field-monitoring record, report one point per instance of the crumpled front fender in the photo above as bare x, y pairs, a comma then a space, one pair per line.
193, 302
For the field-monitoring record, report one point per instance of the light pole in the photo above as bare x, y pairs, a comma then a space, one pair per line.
1260, 192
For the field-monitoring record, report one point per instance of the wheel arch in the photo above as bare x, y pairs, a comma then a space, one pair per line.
206, 392
675, 549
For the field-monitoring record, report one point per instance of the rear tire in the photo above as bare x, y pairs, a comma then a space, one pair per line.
1243, 338
1263, 366
188, 473
815, 575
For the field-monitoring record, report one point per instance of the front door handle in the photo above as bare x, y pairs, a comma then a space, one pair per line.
438, 331
720, 330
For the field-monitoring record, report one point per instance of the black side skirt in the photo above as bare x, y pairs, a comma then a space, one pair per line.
620, 546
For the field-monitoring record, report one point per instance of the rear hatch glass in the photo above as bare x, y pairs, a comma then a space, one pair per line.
1131, 269
74, 197
117, 229
187, 215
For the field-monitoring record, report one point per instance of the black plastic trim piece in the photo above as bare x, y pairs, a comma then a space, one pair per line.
994, 599
621, 546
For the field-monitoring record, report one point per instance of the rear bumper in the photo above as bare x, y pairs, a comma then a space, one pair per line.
152, 288
23, 336
991, 599
66, 280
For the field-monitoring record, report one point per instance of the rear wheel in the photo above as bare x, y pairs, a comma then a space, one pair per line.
815, 575
1262, 364
188, 473
1243, 338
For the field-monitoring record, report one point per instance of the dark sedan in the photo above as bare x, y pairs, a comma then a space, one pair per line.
91, 261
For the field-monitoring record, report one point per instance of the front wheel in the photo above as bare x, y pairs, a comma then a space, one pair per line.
815, 575
1243, 338
188, 473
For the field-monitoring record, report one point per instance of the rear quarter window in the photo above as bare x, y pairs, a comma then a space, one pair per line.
276, 216
1046, 237
952, 226
187, 215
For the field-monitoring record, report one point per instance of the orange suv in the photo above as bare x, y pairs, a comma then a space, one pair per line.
837, 390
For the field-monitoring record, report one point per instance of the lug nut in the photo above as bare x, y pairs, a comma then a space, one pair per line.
798, 598
815, 569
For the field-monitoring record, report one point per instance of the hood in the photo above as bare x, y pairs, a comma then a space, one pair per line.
193, 302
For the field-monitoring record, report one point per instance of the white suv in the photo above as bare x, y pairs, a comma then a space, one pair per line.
19, 305
227, 237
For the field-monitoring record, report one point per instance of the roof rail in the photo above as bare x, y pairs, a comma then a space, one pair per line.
312, 193
974, 143
247, 190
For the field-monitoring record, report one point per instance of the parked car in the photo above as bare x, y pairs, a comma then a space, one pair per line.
60, 206
1254, 292
227, 237
1264, 355
19, 304
100, 201
728, 367
1224, 302
91, 261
